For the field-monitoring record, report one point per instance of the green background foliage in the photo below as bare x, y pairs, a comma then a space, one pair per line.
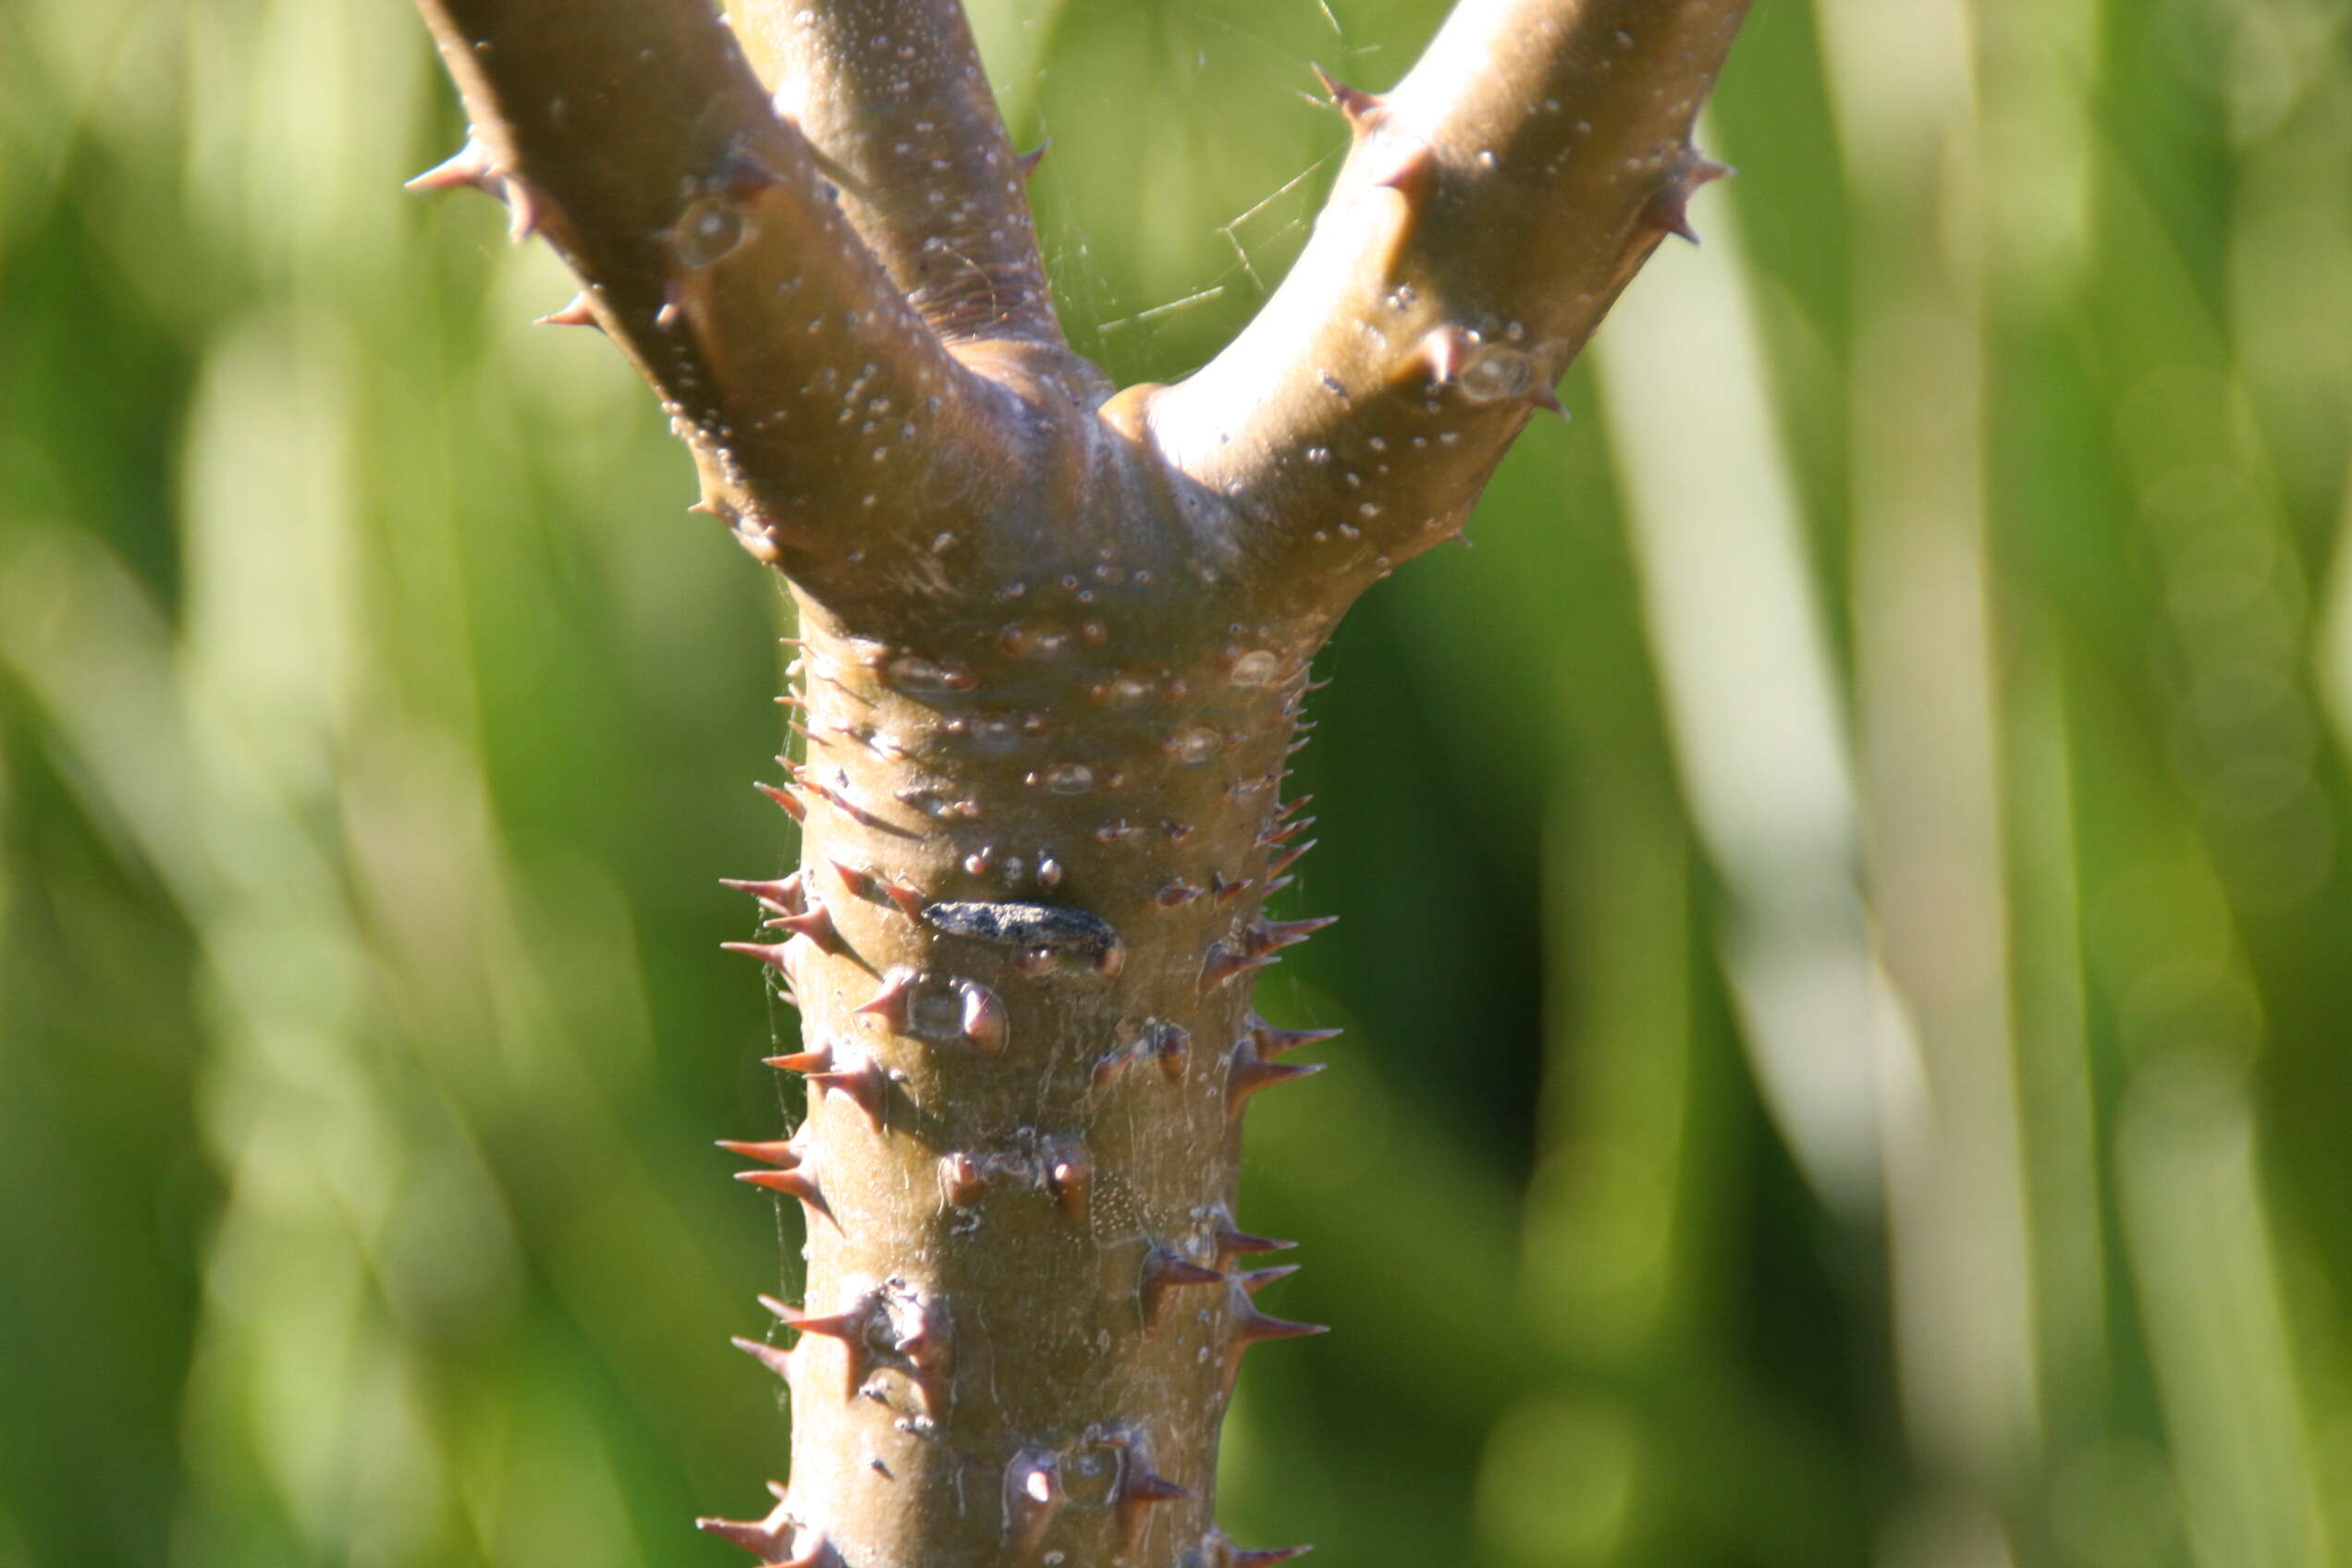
1848, 944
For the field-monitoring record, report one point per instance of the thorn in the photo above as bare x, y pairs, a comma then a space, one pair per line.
1226, 892
523, 207
1027, 161
892, 998
869, 1085
1360, 107
469, 164
782, 1151
1223, 963
818, 927
1278, 884
793, 1184
849, 1327
1033, 1496
577, 313
1178, 892
1252, 1327
792, 805
742, 177
983, 1017
782, 894
776, 1359
1669, 209
1139, 1487
1547, 400
1444, 350
1070, 1175
963, 1178
769, 953
770, 1537
910, 901
1410, 170
1294, 805
1166, 1269
1223, 1553
1289, 857
1233, 1243
1248, 1074
1255, 1280
1172, 1046
788, 699
1278, 833
1271, 936
1272, 1042
819, 1061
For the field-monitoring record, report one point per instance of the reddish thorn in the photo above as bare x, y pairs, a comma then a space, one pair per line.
742, 175
523, 209
780, 1152
1249, 1074
1269, 936
1255, 1280
1278, 884
1443, 351
1358, 106
1279, 833
818, 927
1272, 1042
793, 1184
857, 879
1546, 398
1166, 1269
1028, 161
781, 893
794, 806
869, 1085
769, 1537
910, 901
1222, 964
1289, 857
1226, 892
789, 701
769, 953
1173, 894
776, 1359
965, 1182
848, 1327
890, 998
1252, 1327
1233, 1243
983, 1018
818, 1060
1294, 806
1172, 1046
576, 314
469, 164
1295, 747
1139, 1487
1069, 1174
797, 728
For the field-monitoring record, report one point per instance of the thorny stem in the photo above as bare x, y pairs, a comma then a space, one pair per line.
1056, 641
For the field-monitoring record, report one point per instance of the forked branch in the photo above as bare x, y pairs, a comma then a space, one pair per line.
826, 417
1490, 212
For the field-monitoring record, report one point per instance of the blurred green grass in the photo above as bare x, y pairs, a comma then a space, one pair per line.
1849, 952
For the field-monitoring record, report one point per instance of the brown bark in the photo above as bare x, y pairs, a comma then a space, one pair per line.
1055, 645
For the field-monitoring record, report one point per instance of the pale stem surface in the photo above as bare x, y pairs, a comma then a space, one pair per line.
1055, 644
